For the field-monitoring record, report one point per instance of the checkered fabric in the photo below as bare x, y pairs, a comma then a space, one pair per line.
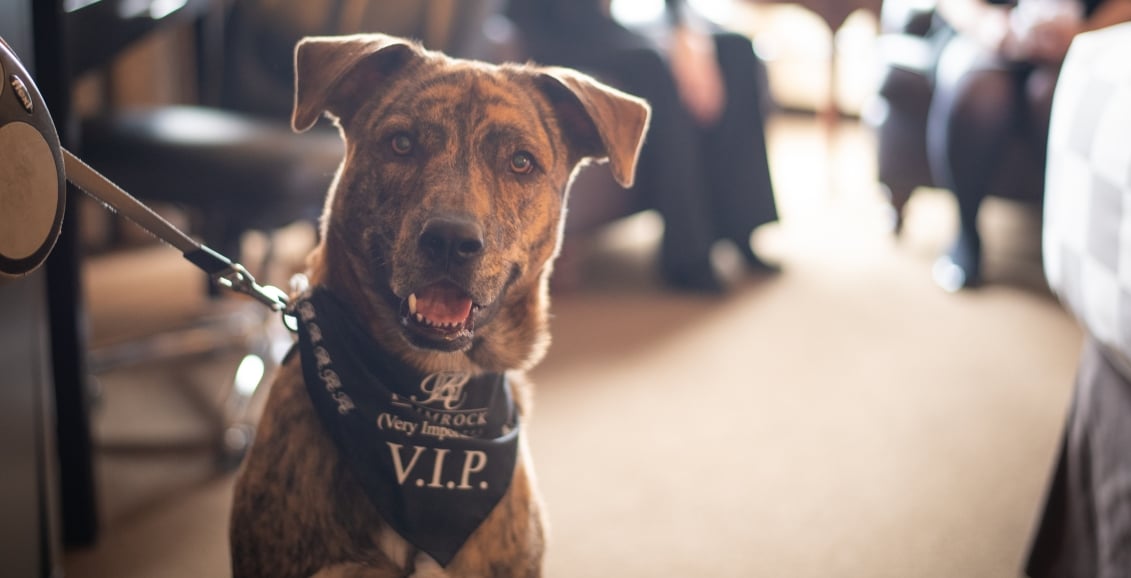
1087, 228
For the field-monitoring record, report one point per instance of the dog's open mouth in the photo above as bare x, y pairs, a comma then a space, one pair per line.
440, 316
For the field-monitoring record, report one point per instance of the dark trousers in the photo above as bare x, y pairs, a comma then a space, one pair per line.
707, 184
1085, 528
979, 103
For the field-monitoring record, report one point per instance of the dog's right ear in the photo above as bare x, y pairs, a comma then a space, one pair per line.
332, 73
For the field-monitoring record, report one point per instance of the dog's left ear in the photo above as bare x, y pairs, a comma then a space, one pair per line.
602, 121
332, 73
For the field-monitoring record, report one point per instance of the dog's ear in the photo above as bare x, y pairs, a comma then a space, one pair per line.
602, 121
332, 72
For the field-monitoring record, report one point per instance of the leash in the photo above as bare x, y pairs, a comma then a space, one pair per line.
220, 269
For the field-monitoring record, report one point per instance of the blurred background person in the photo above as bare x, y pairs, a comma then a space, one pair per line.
703, 166
996, 72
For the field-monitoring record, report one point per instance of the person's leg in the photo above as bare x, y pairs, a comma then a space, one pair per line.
973, 111
670, 170
734, 150
1084, 528
669, 174
1039, 88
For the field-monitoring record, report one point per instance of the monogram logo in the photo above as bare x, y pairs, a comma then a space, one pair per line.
445, 388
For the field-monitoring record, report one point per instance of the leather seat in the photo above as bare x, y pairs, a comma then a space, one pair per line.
230, 171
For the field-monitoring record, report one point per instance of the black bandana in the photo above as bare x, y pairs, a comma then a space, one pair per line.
434, 453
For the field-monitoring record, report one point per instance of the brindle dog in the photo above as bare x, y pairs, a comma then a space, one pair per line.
453, 185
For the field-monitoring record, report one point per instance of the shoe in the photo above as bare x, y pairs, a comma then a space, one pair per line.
699, 279
961, 267
755, 263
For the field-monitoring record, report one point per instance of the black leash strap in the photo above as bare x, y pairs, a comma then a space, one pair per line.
220, 268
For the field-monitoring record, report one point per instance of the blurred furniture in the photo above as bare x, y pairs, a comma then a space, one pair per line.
30, 537
1085, 527
834, 13
910, 41
229, 172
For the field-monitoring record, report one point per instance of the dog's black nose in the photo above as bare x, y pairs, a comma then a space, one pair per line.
453, 240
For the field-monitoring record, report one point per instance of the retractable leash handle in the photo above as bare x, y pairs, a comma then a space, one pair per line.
221, 269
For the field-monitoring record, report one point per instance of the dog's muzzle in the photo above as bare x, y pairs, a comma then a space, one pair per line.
442, 314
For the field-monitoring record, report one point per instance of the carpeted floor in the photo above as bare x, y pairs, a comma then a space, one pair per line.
843, 419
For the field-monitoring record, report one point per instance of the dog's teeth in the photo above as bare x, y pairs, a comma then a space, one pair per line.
412, 304
419, 318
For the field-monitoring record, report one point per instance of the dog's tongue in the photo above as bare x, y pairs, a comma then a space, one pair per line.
443, 303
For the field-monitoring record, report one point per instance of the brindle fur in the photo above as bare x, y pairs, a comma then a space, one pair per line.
297, 510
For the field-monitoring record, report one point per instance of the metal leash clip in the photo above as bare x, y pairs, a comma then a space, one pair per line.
238, 279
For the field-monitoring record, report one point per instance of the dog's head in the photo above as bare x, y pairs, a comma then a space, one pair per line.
446, 214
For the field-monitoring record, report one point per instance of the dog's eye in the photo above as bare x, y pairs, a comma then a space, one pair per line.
522, 163
401, 143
